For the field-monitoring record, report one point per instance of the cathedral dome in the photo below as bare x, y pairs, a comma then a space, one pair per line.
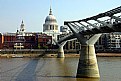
50, 18
50, 24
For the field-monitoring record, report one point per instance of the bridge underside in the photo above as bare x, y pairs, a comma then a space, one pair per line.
103, 29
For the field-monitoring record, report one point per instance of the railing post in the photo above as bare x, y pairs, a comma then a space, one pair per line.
60, 50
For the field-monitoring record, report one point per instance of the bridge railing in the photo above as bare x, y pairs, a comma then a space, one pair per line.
109, 21
87, 26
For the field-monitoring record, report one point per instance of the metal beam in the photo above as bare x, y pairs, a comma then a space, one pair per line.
92, 24
67, 37
78, 26
72, 29
105, 24
117, 18
84, 26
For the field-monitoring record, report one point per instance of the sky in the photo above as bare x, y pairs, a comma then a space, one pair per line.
34, 12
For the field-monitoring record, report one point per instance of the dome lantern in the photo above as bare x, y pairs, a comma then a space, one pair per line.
50, 11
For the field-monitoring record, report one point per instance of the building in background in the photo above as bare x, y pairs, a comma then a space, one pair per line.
50, 27
8, 40
44, 41
71, 45
115, 40
1, 40
29, 40
64, 30
109, 42
25, 40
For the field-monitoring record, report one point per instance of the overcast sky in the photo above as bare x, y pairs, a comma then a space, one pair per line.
34, 12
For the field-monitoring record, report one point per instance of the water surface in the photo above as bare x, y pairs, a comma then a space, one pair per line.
55, 69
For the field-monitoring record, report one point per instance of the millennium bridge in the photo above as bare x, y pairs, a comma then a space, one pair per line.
87, 31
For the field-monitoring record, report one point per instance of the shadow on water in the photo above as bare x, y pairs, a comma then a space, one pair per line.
87, 79
60, 76
76, 79
28, 73
65, 70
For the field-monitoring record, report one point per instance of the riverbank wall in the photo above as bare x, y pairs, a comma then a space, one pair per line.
55, 55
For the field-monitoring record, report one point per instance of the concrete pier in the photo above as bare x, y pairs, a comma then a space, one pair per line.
87, 66
60, 52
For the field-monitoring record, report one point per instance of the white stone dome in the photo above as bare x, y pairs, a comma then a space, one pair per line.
50, 24
50, 18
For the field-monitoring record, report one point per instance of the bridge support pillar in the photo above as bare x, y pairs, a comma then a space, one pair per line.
60, 52
87, 66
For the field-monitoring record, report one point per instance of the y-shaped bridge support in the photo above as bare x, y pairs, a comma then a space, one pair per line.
87, 66
60, 50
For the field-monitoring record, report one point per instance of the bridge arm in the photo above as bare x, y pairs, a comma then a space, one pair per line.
84, 26
93, 39
77, 34
66, 38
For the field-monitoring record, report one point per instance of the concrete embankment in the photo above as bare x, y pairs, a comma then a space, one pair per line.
78, 55
55, 55
108, 54
18, 55
35, 55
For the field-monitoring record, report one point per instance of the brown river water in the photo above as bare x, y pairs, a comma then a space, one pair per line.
55, 69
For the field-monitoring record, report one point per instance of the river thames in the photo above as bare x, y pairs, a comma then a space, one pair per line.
55, 69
